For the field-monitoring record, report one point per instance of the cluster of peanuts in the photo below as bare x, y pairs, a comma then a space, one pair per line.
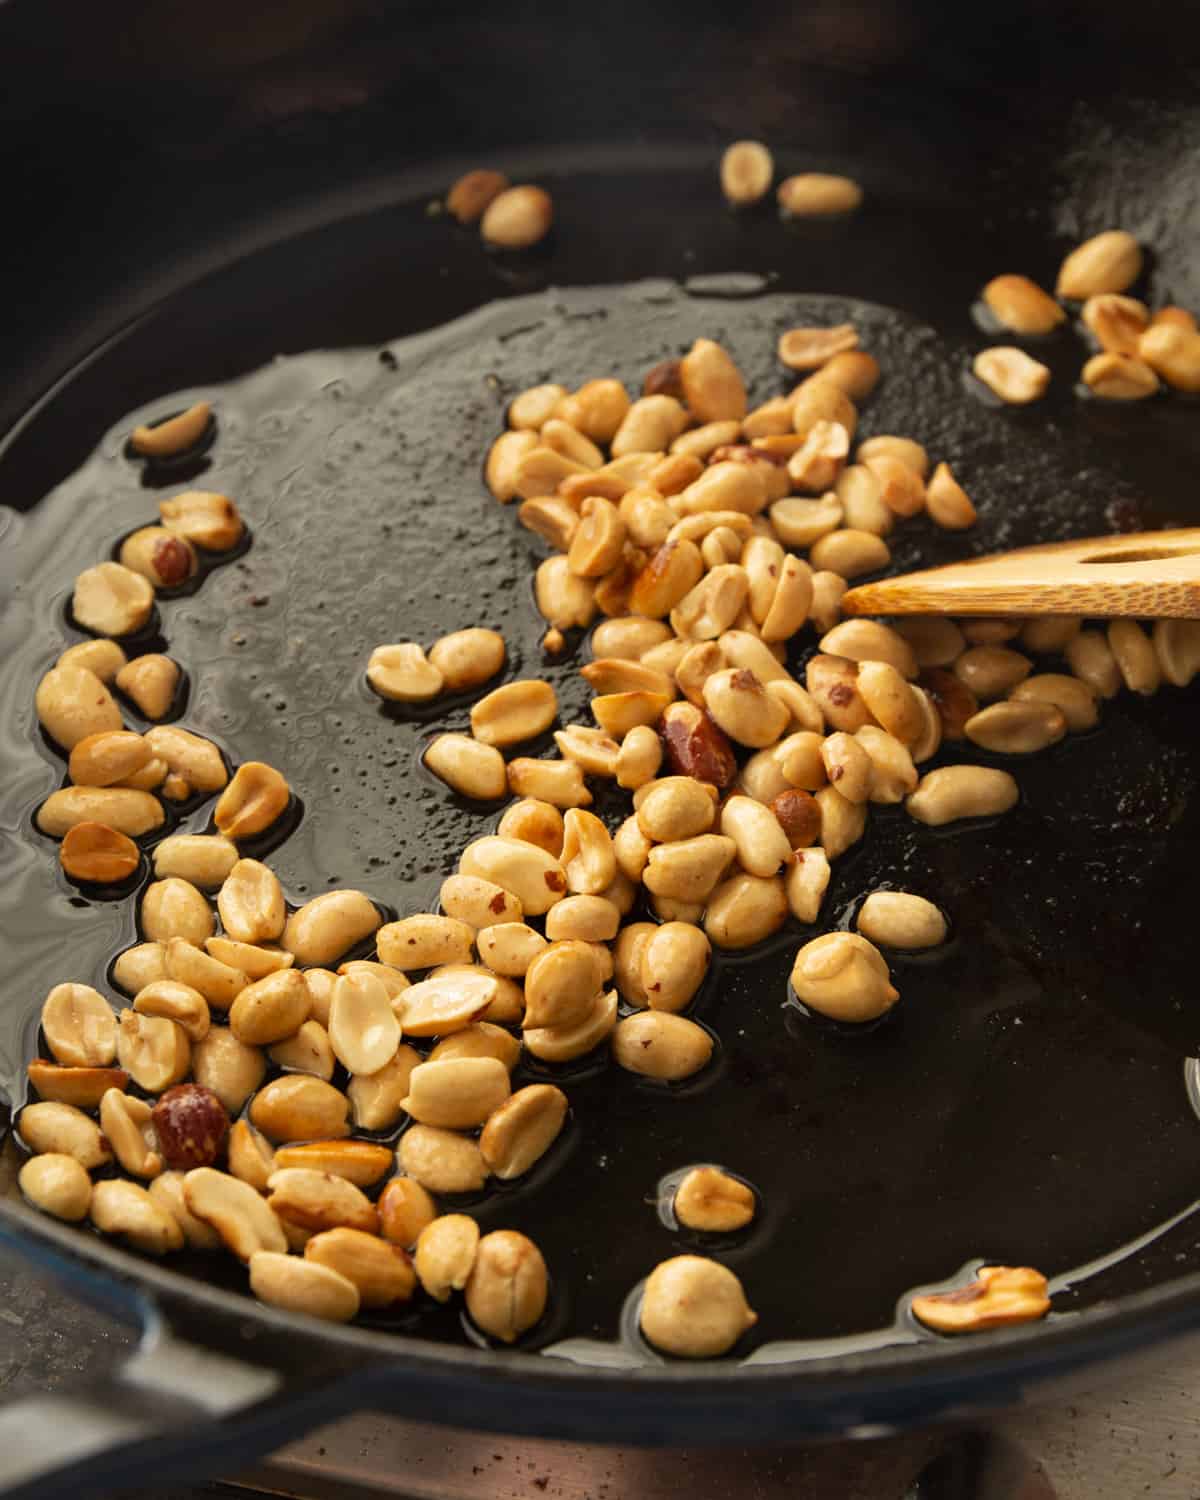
1139, 351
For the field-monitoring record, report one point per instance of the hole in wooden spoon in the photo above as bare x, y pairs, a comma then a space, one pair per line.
1142, 554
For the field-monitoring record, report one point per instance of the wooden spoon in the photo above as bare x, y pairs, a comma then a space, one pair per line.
1148, 574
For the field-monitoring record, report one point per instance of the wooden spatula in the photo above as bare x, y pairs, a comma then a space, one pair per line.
1147, 574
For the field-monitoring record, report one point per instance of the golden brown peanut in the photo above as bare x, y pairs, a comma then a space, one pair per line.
445, 1253
650, 425
722, 545
800, 762
320, 988
859, 503
560, 986
632, 849
629, 638
664, 965
762, 846
504, 457
688, 870
307, 1050
711, 1201
315, 1200
798, 813
104, 658
740, 648
467, 767
82, 1087
1173, 352
702, 442
1117, 322
844, 977
819, 400
108, 757
173, 908
890, 700
1017, 727
817, 463
251, 904
457, 1093
253, 800
204, 860
694, 1308
744, 910
1011, 374
1179, 317
659, 1044
848, 766
446, 1002
380, 1271
480, 1039
639, 757
543, 469
1090, 658
251, 1159
618, 713
150, 683
376, 1098
231, 1069
597, 542
849, 554
256, 960
303, 1286
467, 658
677, 807
597, 409
592, 919
58, 1185
63, 1130
951, 699
726, 485
571, 443
515, 712
929, 741
1118, 377
440, 1160
363, 1030
110, 599
712, 605
557, 1044
853, 371
1075, 700
1177, 646
478, 903
176, 1002
934, 640
593, 751
424, 941
741, 706
991, 671
160, 556
897, 919
402, 674
510, 949
1047, 633
164, 439
953, 792
713, 388
817, 195
93, 853
325, 928
747, 168
123, 1208
998, 1297
508, 1286
1108, 262
627, 961
1135, 657
863, 640
948, 504
525, 869
299, 1107
901, 484
153, 1050
517, 218
827, 590
166, 1190
810, 348
125, 811
790, 602
189, 755
405, 1208
123, 1120
534, 407
833, 684
466, 202
208, 520
1020, 304
671, 572
559, 782
520, 1132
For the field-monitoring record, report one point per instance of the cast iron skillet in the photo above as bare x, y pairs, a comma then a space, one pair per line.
296, 147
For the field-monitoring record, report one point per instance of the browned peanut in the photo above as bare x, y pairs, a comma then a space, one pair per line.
124, 1120
173, 908
478, 903
1177, 646
110, 599
1108, 262
898, 919
1173, 352
307, 1050
256, 960
466, 201
363, 1030
629, 638
844, 977
947, 502
95, 854
650, 425
1075, 700
744, 910
853, 371
1047, 633
191, 756
953, 792
688, 870
1090, 658
800, 763
677, 807
440, 1160
61, 1129
510, 949
810, 348
741, 706
1016, 727
165, 438
123, 1208
712, 384
1011, 374
559, 782
326, 927
125, 811
694, 1308
712, 605
58, 1185
253, 800
999, 1296
798, 813
316, 1200
992, 671
820, 400
588, 860
534, 407
467, 767
618, 713
695, 746
556, 1044
817, 195
543, 469
82, 1087
747, 168
150, 683
762, 846
299, 1107
561, 985
457, 1093
402, 674
251, 903
104, 658
210, 521
1020, 304
376, 1098
177, 1002
107, 757
230, 1068
251, 1158
597, 409
380, 1271
504, 456
532, 875
1179, 317
160, 556
405, 1208
153, 1050
446, 1002
517, 217
1135, 657
849, 554
952, 699
517, 711
713, 1202
303, 1286
1118, 377
520, 1132
202, 859
901, 484
934, 640
632, 848
1117, 322
627, 961
665, 965
571, 443
508, 1286
671, 572
729, 485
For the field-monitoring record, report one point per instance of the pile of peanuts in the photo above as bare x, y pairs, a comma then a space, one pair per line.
1138, 350
709, 536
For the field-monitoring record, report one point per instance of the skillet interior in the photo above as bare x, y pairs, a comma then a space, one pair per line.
394, 272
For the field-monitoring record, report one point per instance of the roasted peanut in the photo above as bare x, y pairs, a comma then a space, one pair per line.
515, 712
844, 977
478, 903
817, 195
953, 792
104, 658
151, 684
1108, 262
123, 1208
559, 782
467, 767
123, 1120
560, 986
82, 1087
176, 1002
230, 1068
672, 571
251, 904
517, 218
153, 1050
747, 168
1074, 699
629, 638
466, 202
504, 456
762, 845
1016, 727
204, 860
61, 1129
210, 521
441, 1161
556, 1044
57, 1184
173, 908
256, 960
744, 910
424, 941
893, 774
457, 1093
1173, 352
1090, 658
999, 1296
191, 756
695, 746
405, 1208
108, 757
363, 1030
534, 407
302, 1286
307, 1050
677, 807
160, 556
402, 673
1018, 303
326, 927
1135, 657
508, 1286
741, 706
525, 869
1117, 322
92, 853
859, 502
826, 607
898, 919
510, 949
376, 1098
694, 1307
593, 751
866, 640
253, 800
480, 1039
380, 1271
1118, 377
810, 348
111, 600
123, 810
728, 485
816, 464
849, 554
992, 671
664, 966
1046, 633
446, 1002
689, 869
299, 1107
639, 757
166, 1190
711, 1201
316, 1200
659, 1044
1177, 646
948, 504
1011, 374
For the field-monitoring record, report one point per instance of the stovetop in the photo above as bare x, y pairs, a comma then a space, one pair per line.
1140, 1437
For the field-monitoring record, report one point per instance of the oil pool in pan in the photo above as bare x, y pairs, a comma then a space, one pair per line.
1025, 1103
